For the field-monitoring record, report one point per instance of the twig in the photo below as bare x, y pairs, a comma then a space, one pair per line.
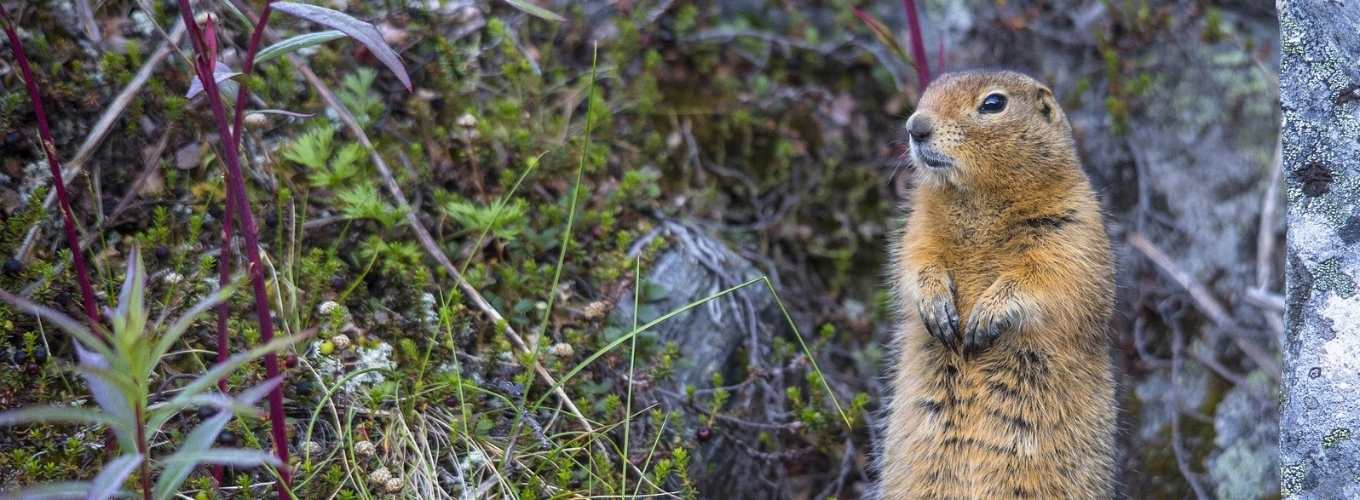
54, 164
1265, 237
1265, 244
223, 309
1205, 302
1271, 302
1177, 447
150, 161
87, 22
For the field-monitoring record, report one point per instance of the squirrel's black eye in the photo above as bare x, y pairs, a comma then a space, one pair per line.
993, 103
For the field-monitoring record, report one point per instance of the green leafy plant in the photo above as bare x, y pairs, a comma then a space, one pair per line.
312, 148
119, 372
503, 220
354, 94
326, 167
364, 202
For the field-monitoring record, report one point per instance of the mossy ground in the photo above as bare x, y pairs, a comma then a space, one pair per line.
775, 124
503, 108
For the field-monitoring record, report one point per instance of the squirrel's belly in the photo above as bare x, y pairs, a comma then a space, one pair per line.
1006, 424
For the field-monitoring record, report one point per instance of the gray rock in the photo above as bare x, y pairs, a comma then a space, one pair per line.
695, 267
710, 338
1320, 40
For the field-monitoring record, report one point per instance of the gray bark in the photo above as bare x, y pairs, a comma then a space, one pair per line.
1320, 44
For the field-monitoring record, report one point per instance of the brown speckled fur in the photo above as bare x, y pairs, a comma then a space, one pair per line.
1012, 236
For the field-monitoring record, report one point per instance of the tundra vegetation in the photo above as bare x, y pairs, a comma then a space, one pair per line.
560, 249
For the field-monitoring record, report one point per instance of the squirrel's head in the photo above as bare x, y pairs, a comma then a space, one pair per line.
988, 128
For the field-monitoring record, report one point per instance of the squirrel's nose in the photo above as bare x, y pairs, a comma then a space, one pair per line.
919, 127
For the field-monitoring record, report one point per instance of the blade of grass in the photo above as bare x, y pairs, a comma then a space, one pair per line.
632, 357
500, 207
536, 11
648, 461
807, 352
562, 252
626, 337
636, 331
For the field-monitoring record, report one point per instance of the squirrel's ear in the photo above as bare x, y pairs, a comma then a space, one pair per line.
1048, 107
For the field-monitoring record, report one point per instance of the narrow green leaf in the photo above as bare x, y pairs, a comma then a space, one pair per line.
63, 322
130, 299
241, 405
53, 414
235, 457
296, 43
53, 491
178, 328
197, 443
199, 440
362, 32
109, 389
220, 370
161, 413
536, 11
109, 480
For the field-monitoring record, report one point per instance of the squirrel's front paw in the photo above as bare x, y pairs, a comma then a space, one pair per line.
994, 313
938, 313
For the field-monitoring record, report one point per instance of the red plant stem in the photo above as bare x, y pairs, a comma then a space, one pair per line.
236, 190
255, 37
54, 164
224, 265
145, 452
224, 276
223, 309
224, 262
918, 47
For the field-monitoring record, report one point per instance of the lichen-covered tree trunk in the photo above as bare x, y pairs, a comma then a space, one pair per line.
1320, 104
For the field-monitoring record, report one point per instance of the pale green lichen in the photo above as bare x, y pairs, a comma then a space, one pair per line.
1335, 437
1328, 277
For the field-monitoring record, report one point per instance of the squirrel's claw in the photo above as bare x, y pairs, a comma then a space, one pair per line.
983, 329
941, 320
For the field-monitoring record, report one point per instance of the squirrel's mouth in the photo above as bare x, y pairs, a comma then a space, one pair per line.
930, 157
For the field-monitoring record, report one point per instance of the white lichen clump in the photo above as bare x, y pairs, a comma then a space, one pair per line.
380, 476
596, 309
364, 448
327, 306
341, 341
562, 350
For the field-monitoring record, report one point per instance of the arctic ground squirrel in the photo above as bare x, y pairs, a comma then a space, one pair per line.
1002, 384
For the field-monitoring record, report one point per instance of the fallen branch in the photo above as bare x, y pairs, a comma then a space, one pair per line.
103, 126
1206, 303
